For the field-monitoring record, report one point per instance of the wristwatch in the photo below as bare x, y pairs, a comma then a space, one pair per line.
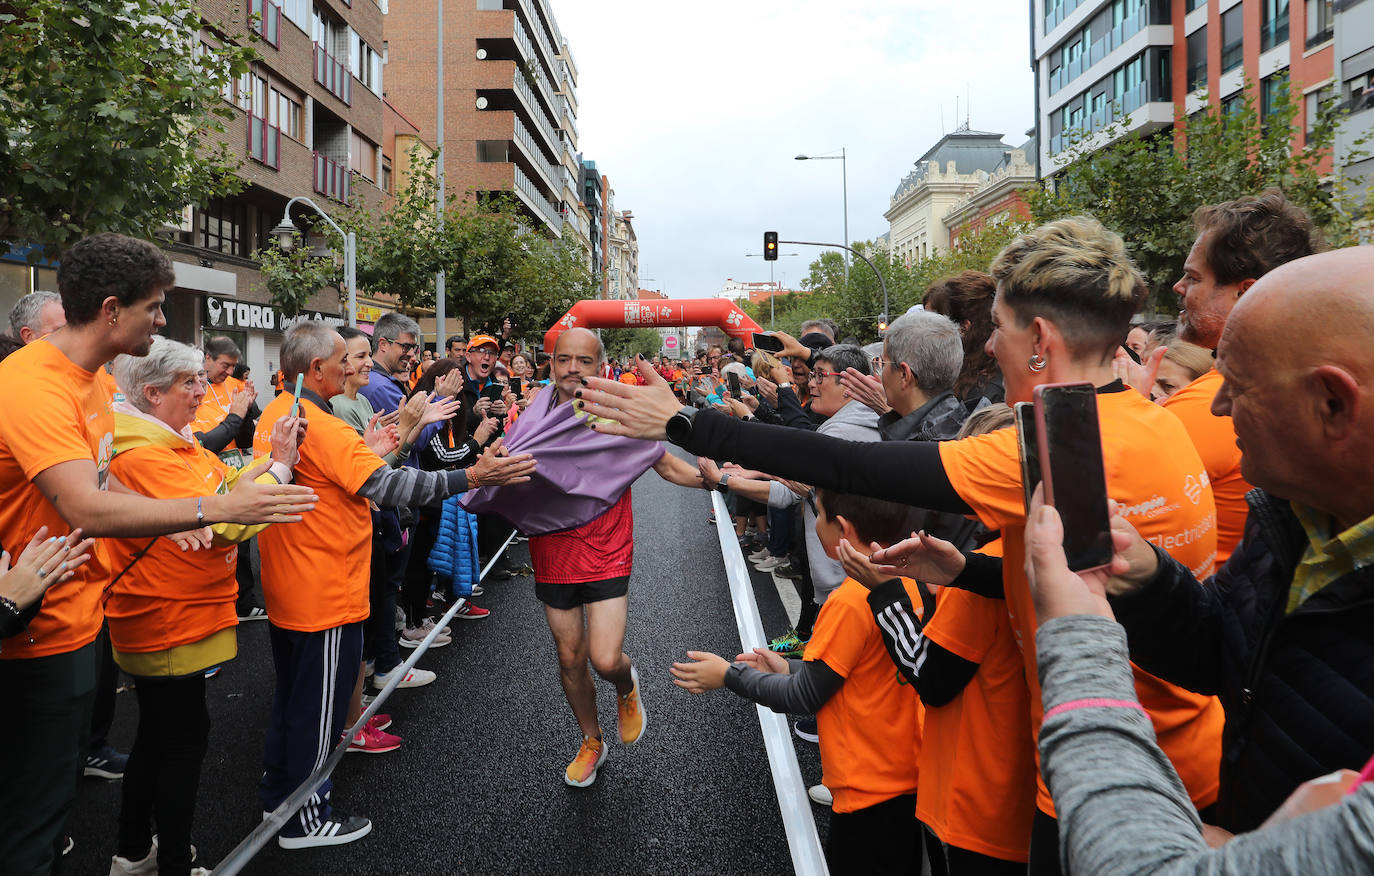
679, 427
785, 385
724, 479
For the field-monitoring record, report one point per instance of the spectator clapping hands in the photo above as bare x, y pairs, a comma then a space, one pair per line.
43, 563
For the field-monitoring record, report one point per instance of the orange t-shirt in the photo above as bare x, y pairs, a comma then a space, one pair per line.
1154, 472
315, 572
214, 407
871, 728
51, 411
630, 378
977, 764
105, 380
170, 597
1215, 440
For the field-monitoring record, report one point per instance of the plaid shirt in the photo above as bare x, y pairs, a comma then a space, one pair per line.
1328, 557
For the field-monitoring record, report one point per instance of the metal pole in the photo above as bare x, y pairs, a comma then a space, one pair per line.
350, 276
440, 294
844, 180
772, 293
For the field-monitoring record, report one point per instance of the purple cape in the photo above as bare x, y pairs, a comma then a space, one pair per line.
579, 473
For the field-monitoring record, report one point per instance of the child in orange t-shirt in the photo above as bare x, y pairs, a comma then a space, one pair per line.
869, 717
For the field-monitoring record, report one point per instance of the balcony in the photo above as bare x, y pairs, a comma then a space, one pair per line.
264, 142
536, 155
264, 19
331, 178
535, 109
535, 198
1273, 33
1100, 48
333, 75
522, 39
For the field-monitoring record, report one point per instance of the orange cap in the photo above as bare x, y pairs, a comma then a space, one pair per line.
481, 341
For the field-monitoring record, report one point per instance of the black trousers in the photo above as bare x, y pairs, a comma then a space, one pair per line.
1044, 847
879, 840
106, 683
946, 860
417, 576
315, 676
48, 700
164, 771
492, 532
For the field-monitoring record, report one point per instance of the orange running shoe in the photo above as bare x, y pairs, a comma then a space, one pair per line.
582, 771
633, 717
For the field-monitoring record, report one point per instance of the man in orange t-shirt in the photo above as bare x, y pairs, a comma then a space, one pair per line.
56, 444
315, 576
1238, 242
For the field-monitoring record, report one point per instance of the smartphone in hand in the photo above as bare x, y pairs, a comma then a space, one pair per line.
734, 384
1028, 449
767, 342
1070, 452
515, 385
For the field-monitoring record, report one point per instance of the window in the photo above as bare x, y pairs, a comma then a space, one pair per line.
285, 113
1273, 23
264, 19
1315, 102
223, 227
364, 63
1319, 22
1357, 93
1196, 4
1197, 59
1271, 89
497, 151
1232, 38
362, 157
298, 12
386, 174
1234, 104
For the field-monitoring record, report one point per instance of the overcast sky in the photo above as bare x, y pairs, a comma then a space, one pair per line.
695, 111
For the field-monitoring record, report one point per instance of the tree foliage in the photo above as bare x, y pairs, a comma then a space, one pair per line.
623, 343
1147, 187
493, 264
110, 118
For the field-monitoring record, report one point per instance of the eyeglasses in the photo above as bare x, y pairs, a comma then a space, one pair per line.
406, 348
819, 376
879, 363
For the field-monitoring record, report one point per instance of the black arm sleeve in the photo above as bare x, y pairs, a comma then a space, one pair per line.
219, 437
937, 674
803, 692
1176, 626
982, 575
392, 487
792, 413
909, 472
244, 438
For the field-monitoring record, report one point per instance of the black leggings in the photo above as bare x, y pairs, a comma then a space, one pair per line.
164, 771
884, 838
954, 861
418, 578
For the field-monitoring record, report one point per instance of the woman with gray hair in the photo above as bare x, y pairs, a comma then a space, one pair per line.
171, 604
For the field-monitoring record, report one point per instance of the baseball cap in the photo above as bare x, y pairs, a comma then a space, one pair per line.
481, 341
815, 340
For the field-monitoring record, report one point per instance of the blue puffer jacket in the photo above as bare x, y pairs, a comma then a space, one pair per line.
1298, 688
454, 557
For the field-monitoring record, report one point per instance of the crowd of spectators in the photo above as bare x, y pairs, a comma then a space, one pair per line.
1200, 705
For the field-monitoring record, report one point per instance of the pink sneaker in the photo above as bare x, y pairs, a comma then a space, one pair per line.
369, 741
470, 612
379, 721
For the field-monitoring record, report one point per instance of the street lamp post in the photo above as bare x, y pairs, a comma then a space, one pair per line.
844, 180
774, 293
285, 235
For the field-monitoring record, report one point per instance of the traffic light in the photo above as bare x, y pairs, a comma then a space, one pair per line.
882, 324
770, 246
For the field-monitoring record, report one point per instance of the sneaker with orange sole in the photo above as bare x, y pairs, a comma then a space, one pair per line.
582, 771
633, 717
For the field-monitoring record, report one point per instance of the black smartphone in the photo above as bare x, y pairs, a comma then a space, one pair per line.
1028, 449
515, 385
734, 384
1070, 444
767, 343
493, 391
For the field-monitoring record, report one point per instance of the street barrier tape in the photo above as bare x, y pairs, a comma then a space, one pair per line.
243, 853
808, 859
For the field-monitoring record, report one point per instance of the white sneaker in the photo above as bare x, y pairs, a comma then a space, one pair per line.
770, 564
411, 637
821, 794
400, 619
759, 555
429, 625
413, 678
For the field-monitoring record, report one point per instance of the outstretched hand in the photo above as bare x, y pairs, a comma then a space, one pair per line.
635, 411
496, 467
765, 660
704, 671
924, 557
858, 566
865, 389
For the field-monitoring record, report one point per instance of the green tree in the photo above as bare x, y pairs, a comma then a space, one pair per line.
624, 343
110, 118
293, 277
1147, 187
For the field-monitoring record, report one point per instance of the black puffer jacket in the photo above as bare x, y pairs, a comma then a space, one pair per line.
1298, 689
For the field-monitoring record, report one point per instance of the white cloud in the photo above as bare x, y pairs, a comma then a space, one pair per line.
695, 111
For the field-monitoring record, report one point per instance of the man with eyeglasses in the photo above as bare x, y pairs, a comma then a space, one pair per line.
482, 353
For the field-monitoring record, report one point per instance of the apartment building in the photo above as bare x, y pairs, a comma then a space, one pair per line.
622, 271
1146, 61
510, 101
1353, 85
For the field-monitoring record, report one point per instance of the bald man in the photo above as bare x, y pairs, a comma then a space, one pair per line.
1284, 632
582, 575
1237, 243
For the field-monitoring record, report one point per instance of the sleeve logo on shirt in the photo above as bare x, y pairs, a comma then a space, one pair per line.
1192, 487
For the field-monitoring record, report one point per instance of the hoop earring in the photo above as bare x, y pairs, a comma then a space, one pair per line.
1037, 363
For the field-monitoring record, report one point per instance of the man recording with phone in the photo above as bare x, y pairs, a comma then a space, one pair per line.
483, 397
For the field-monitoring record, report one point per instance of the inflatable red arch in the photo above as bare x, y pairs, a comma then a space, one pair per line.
596, 313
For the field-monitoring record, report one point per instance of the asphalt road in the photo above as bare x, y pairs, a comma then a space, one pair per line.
477, 785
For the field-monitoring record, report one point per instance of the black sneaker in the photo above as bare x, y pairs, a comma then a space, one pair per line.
787, 570
806, 728
336, 830
106, 763
256, 613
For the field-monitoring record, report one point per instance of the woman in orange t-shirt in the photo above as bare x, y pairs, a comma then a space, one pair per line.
170, 610
1065, 294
